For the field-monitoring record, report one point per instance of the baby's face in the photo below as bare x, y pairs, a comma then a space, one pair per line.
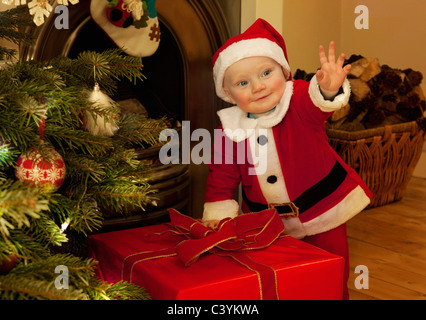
255, 84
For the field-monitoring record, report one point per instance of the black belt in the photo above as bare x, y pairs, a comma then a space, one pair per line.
308, 198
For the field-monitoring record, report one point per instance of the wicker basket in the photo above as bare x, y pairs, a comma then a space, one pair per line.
384, 157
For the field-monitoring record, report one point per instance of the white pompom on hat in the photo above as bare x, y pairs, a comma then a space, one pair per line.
260, 39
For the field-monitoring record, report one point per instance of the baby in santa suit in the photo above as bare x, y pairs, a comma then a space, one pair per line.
279, 124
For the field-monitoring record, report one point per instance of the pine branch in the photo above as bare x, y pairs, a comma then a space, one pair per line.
45, 231
17, 204
37, 281
127, 158
113, 64
82, 215
122, 196
19, 287
18, 17
60, 206
137, 130
81, 166
104, 68
12, 22
23, 245
87, 218
71, 140
8, 154
125, 291
31, 110
7, 53
10, 131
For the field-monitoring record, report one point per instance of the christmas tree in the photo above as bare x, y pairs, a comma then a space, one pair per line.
66, 152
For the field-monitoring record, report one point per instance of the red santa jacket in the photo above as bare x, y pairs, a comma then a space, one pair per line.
285, 157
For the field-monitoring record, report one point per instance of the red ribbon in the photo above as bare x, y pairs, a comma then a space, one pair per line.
232, 238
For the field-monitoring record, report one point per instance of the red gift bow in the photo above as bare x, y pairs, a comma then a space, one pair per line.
250, 231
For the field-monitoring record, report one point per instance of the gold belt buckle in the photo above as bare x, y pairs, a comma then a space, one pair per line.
294, 209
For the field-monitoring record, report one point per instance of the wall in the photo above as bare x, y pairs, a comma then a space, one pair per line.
270, 10
307, 25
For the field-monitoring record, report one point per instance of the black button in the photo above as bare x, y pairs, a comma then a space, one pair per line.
272, 179
262, 140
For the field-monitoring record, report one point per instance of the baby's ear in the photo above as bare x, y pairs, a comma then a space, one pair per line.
285, 73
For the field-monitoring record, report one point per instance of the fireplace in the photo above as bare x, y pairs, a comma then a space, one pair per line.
179, 82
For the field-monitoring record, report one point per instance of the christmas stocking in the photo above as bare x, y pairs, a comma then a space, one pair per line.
131, 24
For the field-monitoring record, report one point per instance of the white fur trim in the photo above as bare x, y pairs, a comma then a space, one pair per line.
294, 227
326, 105
350, 206
244, 49
346, 209
238, 127
220, 210
267, 163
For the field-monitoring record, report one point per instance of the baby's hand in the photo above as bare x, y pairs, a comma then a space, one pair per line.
211, 223
332, 73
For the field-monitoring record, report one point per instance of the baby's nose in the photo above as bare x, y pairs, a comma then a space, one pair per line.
258, 85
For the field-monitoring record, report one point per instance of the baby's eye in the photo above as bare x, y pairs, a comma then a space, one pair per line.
242, 83
267, 72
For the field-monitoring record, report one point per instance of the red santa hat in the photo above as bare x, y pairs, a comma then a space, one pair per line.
260, 39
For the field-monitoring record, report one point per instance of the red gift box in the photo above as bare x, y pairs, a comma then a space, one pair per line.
170, 265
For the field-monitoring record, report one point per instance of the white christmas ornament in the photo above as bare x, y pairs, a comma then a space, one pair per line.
98, 125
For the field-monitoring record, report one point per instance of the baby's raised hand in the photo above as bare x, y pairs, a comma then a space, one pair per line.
332, 73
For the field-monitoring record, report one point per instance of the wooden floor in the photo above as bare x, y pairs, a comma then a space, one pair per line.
391, 242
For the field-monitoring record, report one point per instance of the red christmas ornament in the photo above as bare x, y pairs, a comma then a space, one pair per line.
48, 174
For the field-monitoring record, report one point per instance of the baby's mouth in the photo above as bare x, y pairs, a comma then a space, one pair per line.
262, 97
